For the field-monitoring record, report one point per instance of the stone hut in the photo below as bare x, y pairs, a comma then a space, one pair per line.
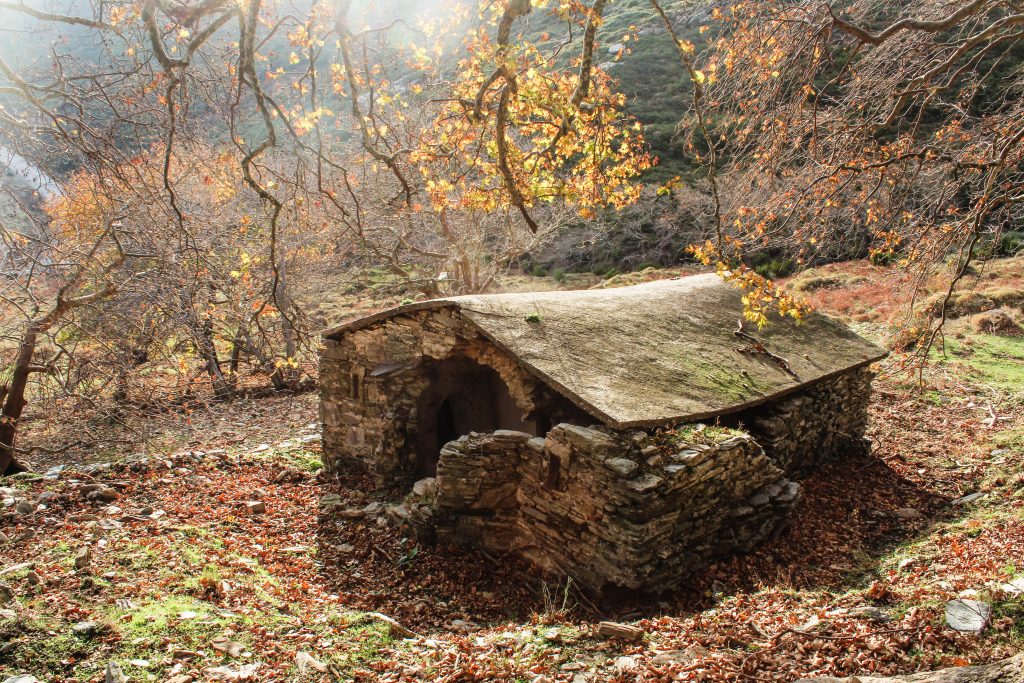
623, 437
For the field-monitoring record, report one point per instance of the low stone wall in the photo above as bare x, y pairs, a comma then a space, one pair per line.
478, 480
817, 424
609, 509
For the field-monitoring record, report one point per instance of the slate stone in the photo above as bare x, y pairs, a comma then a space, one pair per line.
621, 466
968, 499
85, 629
968, 616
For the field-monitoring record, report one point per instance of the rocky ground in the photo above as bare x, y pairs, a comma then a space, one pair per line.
220, 553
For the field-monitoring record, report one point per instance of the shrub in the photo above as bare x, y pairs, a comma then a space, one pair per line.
1011, 243
999, 321
775, 268
884, 258
1007, 296
812, 283
960, 304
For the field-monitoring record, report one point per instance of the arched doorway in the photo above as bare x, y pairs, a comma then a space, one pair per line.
463, 396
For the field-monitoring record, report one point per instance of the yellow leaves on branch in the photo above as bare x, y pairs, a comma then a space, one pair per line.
586, 154
762, 298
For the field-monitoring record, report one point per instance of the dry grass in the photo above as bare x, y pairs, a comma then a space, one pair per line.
860, 291
1000, 321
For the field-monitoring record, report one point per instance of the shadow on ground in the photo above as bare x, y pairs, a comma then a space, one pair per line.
853, 513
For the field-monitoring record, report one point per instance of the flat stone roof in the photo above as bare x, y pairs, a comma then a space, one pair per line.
655, 353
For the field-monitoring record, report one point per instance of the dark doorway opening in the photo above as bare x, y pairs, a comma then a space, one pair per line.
464, 396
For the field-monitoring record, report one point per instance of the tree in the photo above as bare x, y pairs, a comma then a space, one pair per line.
80, 274
897, 127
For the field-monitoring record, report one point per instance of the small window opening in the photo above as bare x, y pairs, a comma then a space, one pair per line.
354, 385
554, 472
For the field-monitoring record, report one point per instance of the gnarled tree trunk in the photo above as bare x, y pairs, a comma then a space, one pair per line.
14, 400
1004, 671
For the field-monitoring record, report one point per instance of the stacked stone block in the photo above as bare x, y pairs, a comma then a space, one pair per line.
817, 424
607, 508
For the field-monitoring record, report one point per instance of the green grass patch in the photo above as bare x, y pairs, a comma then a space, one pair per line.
44, 643
1010, 440
307, 461
211, 574
992, 360
136, 557
703, 434
363, 641
179, 620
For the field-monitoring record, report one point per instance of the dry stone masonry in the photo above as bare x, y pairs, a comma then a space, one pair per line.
519, 423
609, 509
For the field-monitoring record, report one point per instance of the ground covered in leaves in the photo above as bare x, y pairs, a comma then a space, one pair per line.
209, 557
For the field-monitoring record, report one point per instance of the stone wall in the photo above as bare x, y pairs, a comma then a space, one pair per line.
637, 509
822, 422
609, 509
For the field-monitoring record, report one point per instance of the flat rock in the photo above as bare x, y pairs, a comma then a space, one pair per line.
1014, 586
872, 613
22, 678
645, 483
375, 508
625, 664
54, 473
85, 629
621, 466
307, 663
255, 507
968, 616
330, 500
241, 673
968, 499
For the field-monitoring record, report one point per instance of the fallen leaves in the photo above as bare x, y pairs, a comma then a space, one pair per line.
852, 587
